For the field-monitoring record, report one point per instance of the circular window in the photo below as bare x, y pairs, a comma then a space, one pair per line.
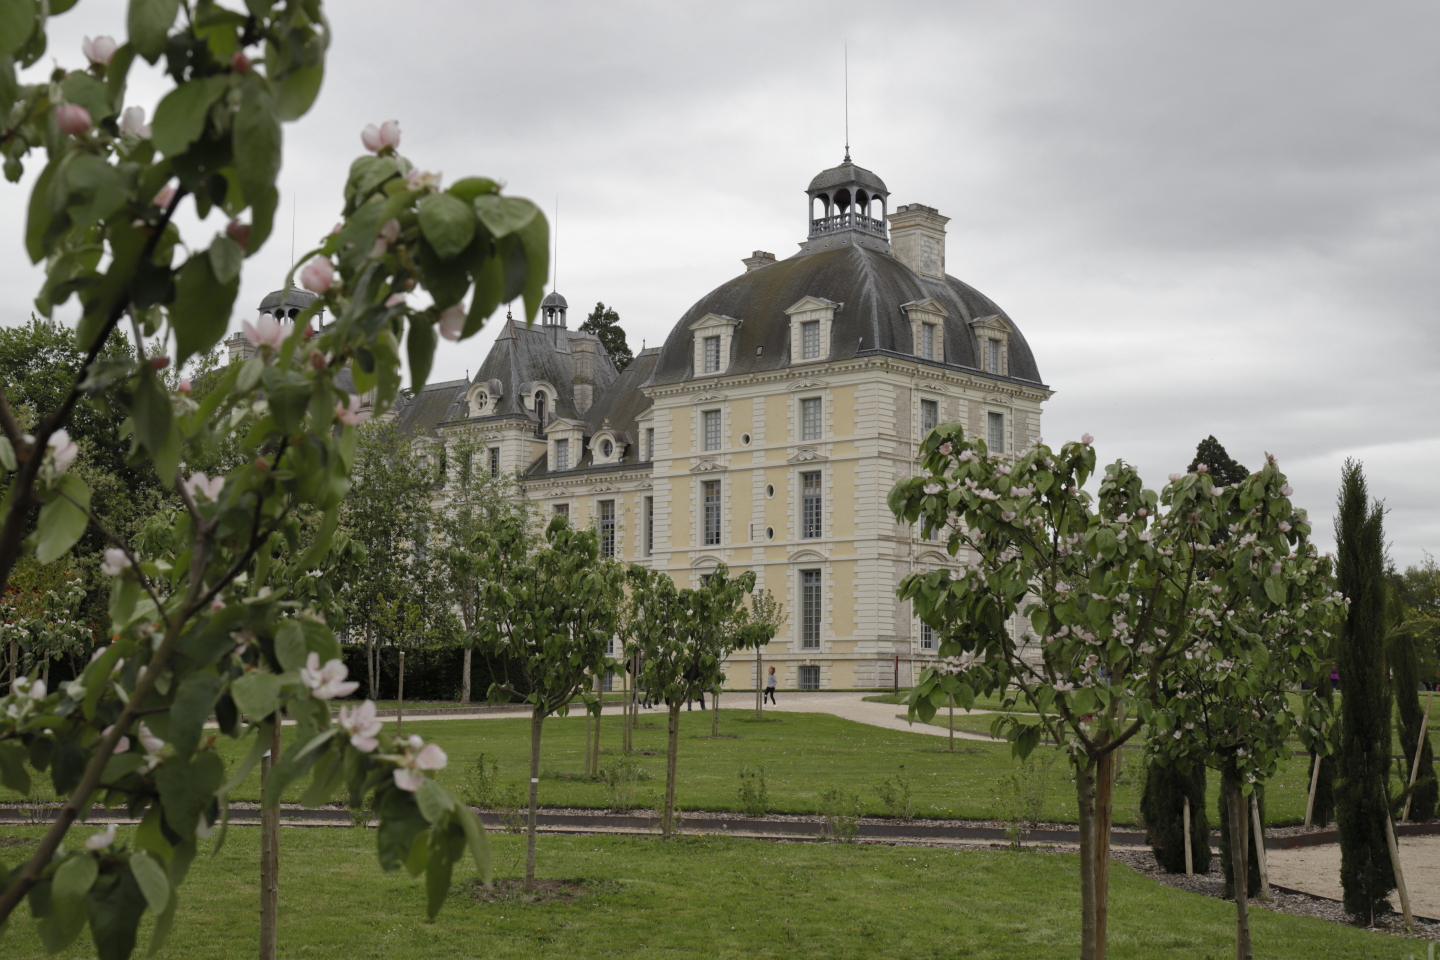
769, 533
769, 490
606, 449
745, 439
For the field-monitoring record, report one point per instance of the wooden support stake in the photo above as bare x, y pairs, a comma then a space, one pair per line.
1260, 848
1419, 749
400, 707
1189, 854
1314, 785
1399, 874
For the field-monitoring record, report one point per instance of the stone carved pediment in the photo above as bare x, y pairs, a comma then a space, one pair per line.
807, 383
934, 386
707, 397
645, 485
806, 454
603, 487
707, 465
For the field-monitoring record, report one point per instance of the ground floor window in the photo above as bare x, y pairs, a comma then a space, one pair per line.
810, 603
609, 683
810, 678
927, 637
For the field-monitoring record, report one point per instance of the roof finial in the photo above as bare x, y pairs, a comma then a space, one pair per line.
555, 258
847, 102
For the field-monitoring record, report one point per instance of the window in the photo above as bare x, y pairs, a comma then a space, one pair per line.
996, 438
810, 677
712, 512
649, 526
562, 510
607, 527
606, 449
540, 406
810, 418
992, 356
494, 461
810, 612
927, 637
927, 341
929, 416
609, 683
810, 340
811, 503
562, 454
649, 443
712, 429
712, 354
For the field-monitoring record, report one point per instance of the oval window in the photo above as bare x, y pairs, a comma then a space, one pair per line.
745, 440
769, 533
769, 490
606, 449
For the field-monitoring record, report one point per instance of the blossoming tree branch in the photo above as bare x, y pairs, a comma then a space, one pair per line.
213, 626
1118, 589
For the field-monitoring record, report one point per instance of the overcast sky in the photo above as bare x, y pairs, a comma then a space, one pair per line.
1206, 218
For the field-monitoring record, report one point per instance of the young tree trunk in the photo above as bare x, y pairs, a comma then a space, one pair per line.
269, 856
1239, 862
667, 820
370, 655
1085, 801
952, 723
588, 738
465, 678
595, 757
536, 719
715, 713
759, 683
1104, 814
400, 699
627, 723
45, 678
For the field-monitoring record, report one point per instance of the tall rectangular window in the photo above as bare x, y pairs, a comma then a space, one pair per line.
812, 503
494, 461
649, 443
809, 676
712, 354
562, 510
712, 512
712, 429
562, 454
649, 526
927, 341
929, 416
810, 340
927, 637
810, 609
810, 418
995, 439
992, 356
607, 527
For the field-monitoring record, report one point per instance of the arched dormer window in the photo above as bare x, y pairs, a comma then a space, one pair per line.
713, 335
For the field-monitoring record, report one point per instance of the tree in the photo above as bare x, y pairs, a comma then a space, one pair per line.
1162, 807
39, 618
604, 322
768, 615
210, 634
682, 640
550, 612
388, 513
1412, 655
1222, 469
1362, 797
1112, 586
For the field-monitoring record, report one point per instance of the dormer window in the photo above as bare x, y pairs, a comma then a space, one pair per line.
608, 445
927, 341
714, 336
927, 328
994, 357
810, 322
992, 339
562, 454
482, 398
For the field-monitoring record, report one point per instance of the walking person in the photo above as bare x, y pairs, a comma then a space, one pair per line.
769, 687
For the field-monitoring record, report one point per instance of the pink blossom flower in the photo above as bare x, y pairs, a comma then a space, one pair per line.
121, 745
185, 386
378, 138
931, 489
60, 452
422, 180
1285, 490
327, 682
1202, 468
199, 484
388, 234
418, 756
268, 332
165, 197
452, 322
73, 119
362, 725
1174, 478
217, 604
1007, 515
945, 448
1086, 439
317, 275
99, 841
239, 232
153, 746
100, 50
1063, 686
239, 62
395, 300
132, 121
350, 413
1285, 528
116, 562
966, 456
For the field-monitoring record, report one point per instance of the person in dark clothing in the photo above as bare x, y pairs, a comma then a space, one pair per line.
770, 682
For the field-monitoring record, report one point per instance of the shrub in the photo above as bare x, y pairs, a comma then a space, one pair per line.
1162, 808
1252, 879
842, 810
1022, 796
622, 777
895, 795
754, 798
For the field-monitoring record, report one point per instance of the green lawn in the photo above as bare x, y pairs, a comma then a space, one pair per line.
701, 897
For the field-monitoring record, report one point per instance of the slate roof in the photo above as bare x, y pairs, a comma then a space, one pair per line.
870, 285
522, 356
845, 175
436, 403
622, 405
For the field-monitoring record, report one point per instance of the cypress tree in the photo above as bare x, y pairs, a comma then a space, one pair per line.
1362, 796
1217, 462
1405, 667
1252, 878
604, 322
1162, 806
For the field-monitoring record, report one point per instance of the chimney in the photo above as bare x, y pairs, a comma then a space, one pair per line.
757, 260
583, 382
917, 239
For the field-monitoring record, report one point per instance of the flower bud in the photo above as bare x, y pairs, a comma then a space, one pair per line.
317, 275
452, 322
132, 121
73, 119
239, 232
159, 363
99, 50
239, 62
317, 360
184, 386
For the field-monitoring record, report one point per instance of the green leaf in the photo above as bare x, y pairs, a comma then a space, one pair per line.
257, 750
150, 836
257, 140
503, 216
203, 301
37, 225
290, 647
62, 522
154, 422
149, 23
535, 236
12, 768
114, 904
152, 880
489, 289
435, 804
93, 189
180, 117
400, 823
296, 90
186, 789
72, 881
1275, 590
468, 188
92, 94
476, 837
447, 222
256, 694
288, 393
17, 22
194, 702
420, 345
324, 780
446, 846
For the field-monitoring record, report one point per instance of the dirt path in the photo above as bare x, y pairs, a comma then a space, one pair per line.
1317, 870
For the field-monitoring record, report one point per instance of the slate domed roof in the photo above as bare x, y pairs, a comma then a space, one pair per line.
844, 175
871, 286
553, 299
294, 301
